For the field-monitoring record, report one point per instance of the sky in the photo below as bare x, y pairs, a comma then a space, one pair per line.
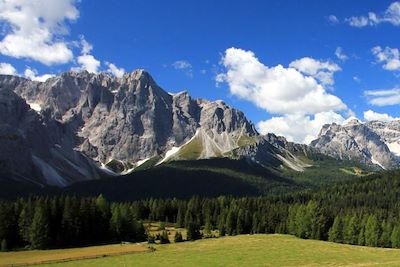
291, 66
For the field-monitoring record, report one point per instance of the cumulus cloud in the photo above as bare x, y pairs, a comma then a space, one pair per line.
340, 55
35, 28
275, 89
390, 15
370, 115
32, 74
390, 57
296, 95
386, 97
321, 70
184, 66
299, 128
7, 69
117, 72
89, 63
85, 60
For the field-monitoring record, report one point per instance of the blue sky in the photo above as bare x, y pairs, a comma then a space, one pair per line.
184, 45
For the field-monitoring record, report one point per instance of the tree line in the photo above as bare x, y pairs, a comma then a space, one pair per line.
362, 212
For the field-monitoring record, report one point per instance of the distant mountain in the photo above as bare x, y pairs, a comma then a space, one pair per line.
374, 143
80, 126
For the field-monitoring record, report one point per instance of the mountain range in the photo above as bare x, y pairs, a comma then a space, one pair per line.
80, 126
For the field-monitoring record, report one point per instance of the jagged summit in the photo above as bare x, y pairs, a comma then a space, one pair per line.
373, 143
124, 122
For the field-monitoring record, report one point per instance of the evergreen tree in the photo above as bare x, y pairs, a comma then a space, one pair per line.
180, 218
256, 223
385, 238
336, 231
164, 239
40, 229
350, 231
395, 237
4, 246
193, 231
178, 237
230, 224
24, 224
372, 231
240, 222
151, 239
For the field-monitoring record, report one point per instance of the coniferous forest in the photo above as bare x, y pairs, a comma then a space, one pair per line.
362, 212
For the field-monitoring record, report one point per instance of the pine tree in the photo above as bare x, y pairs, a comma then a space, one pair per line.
4, 246
240, 223
230, 224
180, 218
40, 229
350, 232
221, 224
372, 231
385, 238
256, 223
164, 239
336, 231
178, 237
193, 231
395, 237
24, 225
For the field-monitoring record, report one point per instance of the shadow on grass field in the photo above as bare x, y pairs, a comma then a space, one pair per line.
248, 250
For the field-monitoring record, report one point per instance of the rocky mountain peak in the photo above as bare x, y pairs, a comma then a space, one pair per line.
365, 142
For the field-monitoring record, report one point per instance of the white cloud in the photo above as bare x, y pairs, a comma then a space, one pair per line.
390, 57
386, 97
89, 63
117, 72
7, 69
390, 15
370, 115
295, 95
299, 128
32, 75
340, 55
321, 70
185, 66
35, 29
333, 19
85, 60
86, 46
275, 89
358, 22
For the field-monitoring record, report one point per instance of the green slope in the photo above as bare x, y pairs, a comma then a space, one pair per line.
183, 179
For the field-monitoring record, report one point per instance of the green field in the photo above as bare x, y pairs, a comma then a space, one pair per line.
248, 250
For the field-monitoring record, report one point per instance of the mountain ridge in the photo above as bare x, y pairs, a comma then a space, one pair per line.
115, 125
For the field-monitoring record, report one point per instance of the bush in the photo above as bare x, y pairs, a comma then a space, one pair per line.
178, 237
151, 239
4, 246
164, 239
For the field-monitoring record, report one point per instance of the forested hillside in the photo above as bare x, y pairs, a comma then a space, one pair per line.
363, 212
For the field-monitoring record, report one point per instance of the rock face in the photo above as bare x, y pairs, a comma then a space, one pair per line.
79, 126
373, 143
31, 149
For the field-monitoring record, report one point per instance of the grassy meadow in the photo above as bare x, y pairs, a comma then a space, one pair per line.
243, 250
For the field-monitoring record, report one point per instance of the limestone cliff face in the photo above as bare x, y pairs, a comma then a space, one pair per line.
102, 118
373, 143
